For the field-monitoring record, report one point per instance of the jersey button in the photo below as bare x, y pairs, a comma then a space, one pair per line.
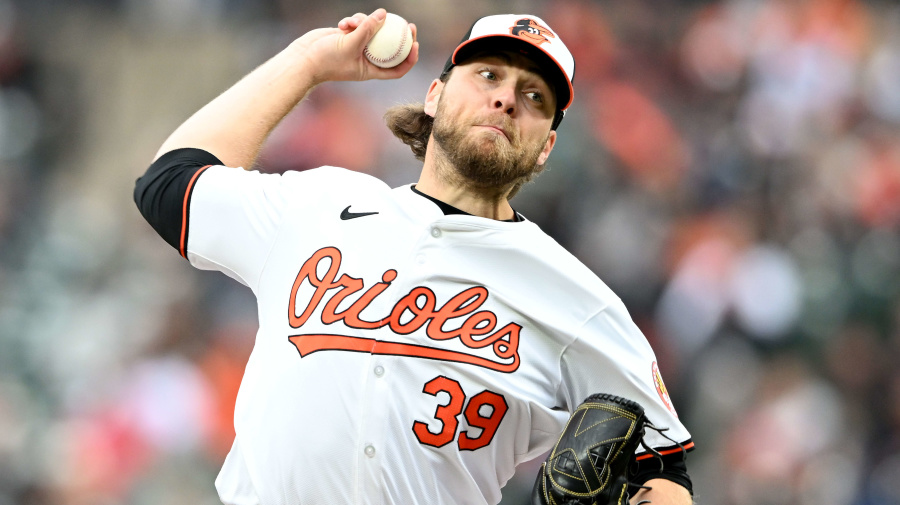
370, 451
379, 371
435, 232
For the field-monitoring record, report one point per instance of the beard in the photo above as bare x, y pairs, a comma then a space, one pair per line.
485, 159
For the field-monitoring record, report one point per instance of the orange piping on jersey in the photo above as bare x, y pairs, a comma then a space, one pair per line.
687, 446
184, 211
308, 344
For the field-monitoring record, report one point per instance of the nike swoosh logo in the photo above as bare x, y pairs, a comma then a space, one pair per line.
346, 214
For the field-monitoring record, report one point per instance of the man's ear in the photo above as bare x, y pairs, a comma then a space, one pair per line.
548, 146
433, 96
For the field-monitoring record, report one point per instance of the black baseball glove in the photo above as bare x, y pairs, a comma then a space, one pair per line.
591, 461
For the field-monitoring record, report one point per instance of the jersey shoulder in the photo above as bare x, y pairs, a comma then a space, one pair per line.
329, 179
559, 263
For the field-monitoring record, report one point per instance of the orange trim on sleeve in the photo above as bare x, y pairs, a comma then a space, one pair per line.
184, 212
688, 446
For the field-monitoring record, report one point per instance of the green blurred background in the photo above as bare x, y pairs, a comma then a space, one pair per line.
730, 168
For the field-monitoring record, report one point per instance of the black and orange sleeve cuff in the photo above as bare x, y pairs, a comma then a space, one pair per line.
669, 463
163, 193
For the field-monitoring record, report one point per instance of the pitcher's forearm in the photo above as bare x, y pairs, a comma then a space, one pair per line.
234, 125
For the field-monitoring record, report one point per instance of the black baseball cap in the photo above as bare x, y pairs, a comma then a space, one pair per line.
529, 35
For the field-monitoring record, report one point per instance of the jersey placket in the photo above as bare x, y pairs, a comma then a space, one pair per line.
372, 446
380, 391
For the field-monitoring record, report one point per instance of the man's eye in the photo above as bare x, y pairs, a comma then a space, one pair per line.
487, 74
535, 96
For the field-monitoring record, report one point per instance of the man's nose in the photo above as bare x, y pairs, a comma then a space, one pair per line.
505, 99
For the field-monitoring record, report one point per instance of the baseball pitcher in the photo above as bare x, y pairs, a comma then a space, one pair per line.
416, 343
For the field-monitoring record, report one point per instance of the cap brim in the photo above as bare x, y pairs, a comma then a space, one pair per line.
557, 76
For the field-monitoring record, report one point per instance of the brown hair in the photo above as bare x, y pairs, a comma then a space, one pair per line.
410, 124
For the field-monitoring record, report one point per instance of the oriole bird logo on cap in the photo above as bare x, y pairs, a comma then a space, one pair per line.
528, 29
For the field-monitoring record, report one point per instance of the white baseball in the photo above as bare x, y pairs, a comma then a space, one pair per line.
391, 44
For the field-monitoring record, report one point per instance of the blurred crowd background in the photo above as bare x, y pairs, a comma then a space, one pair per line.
730, 168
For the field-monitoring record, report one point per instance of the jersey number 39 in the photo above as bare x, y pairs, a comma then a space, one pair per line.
475, 413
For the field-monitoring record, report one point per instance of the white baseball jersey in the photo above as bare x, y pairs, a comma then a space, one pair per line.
404, 356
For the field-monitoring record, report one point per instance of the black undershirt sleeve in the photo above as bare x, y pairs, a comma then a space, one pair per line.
670, 467
163, 193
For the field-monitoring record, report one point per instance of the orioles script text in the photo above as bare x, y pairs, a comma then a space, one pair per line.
474, 328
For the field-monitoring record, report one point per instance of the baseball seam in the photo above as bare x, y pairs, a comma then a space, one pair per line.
397, 53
